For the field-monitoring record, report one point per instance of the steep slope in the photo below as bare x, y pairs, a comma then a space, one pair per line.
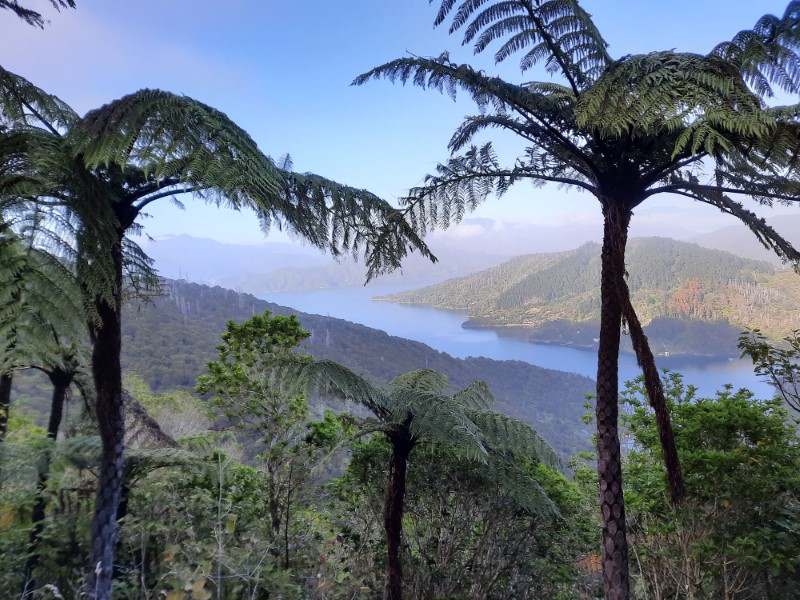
168, 342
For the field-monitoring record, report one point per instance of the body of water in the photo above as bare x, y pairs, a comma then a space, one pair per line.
442, 330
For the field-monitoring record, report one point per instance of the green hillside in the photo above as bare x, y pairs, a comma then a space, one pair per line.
168, 342
683, 291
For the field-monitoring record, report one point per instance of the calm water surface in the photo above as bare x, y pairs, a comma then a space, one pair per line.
441, 329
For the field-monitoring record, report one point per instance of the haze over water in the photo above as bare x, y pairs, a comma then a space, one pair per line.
442, 330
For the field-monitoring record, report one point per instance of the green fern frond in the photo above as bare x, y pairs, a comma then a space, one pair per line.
668, 91
560, 33
138, 460
446, 78
296, 373
765, 234
767, 55
521, 487
506, 434
21, 102
181, 144
459, 186
80, 452
150, 129
475, 397
421, 380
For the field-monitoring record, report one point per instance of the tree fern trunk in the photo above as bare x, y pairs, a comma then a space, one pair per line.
61, 383
393, 515
5, 403
655, 392
609, 464
107, 373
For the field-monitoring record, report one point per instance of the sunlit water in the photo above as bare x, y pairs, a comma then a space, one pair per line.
442, 330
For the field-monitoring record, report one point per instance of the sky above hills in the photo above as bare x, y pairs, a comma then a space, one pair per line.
282, 70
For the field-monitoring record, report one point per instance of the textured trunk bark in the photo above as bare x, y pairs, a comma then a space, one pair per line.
609, 464
61, 383
5, 403
274, 501
393, 515
7, 379
107, 373
655, 392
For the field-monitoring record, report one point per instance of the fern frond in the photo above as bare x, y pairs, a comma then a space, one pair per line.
504, 434
767, 55
558, 32
446, 78
765, 234
30, 16
421, 380
296, 373
151, 128
459, 186
520, 486
139, 460
663, 92
178, 143
80, 452
21, 102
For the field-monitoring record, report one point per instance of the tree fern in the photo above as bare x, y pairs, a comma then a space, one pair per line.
623, 130
98, 173
419, 406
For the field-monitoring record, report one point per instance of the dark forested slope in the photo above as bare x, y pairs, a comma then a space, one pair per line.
168, 342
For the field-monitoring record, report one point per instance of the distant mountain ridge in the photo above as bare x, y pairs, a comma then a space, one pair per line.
169, 341
672, 283
739, 240
475, 244
280, 267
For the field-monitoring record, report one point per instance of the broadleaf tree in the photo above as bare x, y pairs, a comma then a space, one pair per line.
623, 130
239, 388
100, 171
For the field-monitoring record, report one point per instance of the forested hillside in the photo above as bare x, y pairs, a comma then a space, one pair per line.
169, 340
694, 299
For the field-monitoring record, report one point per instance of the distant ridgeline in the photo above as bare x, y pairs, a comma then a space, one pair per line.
168, 342
693, 300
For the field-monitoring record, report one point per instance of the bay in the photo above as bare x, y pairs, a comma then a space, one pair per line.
443, 331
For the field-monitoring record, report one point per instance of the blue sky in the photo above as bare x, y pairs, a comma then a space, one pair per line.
282, 69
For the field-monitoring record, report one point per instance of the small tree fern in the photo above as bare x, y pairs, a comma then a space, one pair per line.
420, 407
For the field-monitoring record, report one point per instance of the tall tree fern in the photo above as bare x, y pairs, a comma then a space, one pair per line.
623, 130
41, 312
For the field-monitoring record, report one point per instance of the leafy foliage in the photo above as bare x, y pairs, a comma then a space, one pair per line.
778, 364
464, 536
418, 406
737, 535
